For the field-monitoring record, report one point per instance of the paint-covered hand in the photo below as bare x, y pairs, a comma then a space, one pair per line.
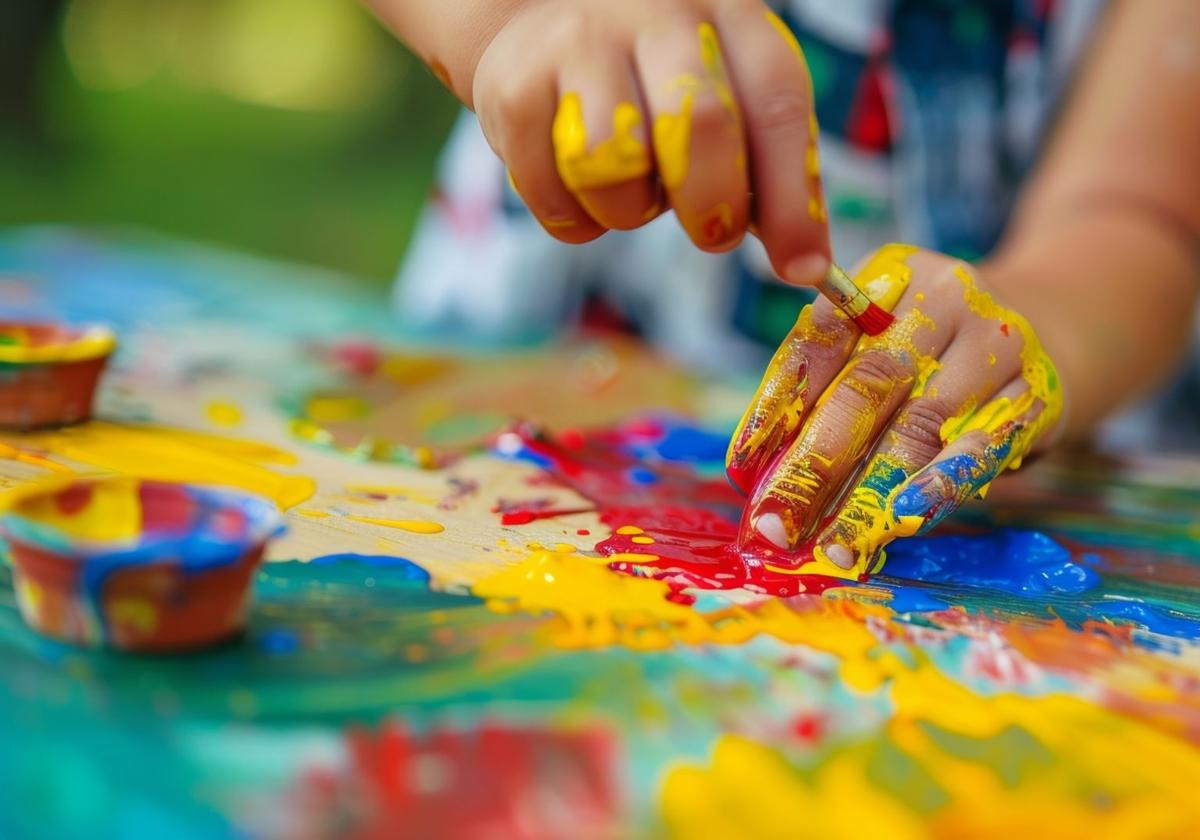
853, 440
606, 112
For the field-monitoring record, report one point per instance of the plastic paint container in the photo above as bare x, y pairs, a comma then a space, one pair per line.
49, 372
136, 565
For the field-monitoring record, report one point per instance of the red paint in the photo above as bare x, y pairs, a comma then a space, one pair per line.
693, 521
1004, 329
524, 517
874, 320
583, 532
490, 781
809, 727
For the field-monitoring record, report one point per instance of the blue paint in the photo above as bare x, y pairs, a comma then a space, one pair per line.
689, 444
1018, 562
398, 567
641, 475
279, 641
938, 489
883, 478
1027, 564
910, 599
1153, 618
205, 545
682, 443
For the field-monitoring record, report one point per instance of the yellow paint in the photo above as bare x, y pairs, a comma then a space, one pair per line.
777, 405
415, 526
816, 209
335, 408
643, 540
596, 606
714, 66
313, 514
672, 136
223, 413
1089, 789
112, 514
798, 480
166, 454
627, 530
886, 275
558, 222
672, 133
30, 595
788, 36
632, 557
24, 456
866, 524
564, 548
750, 790
1038, 371
622, 157
18, 346
137, 613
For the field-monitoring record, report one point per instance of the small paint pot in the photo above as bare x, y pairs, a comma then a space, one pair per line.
136, 565
49, 372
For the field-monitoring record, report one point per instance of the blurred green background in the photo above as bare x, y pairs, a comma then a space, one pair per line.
294, 128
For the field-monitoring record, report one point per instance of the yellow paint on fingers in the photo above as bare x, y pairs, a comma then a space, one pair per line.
622, 157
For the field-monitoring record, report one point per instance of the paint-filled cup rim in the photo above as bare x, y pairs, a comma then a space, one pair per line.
33, 342
107, 518
136, 564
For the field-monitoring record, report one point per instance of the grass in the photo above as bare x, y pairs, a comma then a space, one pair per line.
336, 188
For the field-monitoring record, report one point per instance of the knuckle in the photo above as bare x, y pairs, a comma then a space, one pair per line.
570, 25
709, 116
918, 429
877, 370
510, 102
783, 110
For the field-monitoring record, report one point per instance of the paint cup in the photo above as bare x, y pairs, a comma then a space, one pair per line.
136, 565
49, 372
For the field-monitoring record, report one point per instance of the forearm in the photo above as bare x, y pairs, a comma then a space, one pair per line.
448, 35
1111, 289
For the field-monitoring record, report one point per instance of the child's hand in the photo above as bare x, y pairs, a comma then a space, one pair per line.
607, 111
954, 392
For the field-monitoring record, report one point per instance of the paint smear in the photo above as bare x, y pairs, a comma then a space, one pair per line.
166, 454
414, 526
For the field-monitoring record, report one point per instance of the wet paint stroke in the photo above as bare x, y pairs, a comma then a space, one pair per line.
166, 454
988, 681
672, 527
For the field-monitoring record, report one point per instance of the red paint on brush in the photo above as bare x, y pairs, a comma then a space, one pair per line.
874, 320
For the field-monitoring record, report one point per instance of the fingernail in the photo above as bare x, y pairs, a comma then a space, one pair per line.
807, 270
771, 528
839, 555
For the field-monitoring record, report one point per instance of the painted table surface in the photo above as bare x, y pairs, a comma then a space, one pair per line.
415, 667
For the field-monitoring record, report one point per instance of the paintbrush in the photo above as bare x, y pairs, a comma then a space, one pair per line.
853, 302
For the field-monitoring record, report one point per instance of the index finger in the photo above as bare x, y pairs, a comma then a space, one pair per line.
774, 89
